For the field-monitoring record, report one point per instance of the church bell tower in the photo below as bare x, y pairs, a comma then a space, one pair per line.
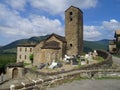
74, 30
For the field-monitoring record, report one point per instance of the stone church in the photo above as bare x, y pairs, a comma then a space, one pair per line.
56, 46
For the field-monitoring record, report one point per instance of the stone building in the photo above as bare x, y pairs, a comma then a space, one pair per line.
15, 70
52, 48
24, 51
112, 46
56, 46
115, 44
117, 36
74, 30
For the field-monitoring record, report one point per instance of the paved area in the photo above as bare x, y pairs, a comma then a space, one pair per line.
116, 60
90, 85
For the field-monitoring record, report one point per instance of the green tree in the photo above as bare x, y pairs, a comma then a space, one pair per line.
31, 58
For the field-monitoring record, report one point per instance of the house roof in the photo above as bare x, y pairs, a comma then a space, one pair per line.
19, 64
51, 45
61, 38
74, 7
27, 45
112, 42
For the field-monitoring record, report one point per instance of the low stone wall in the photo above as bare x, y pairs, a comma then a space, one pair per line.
107, 63
57, 80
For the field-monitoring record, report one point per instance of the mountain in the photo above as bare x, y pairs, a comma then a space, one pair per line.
91, 45
88, 45
11, 48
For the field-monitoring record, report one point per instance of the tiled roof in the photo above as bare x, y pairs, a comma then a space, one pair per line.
51, 45
112, 42
26, 45
61, 38
20, 64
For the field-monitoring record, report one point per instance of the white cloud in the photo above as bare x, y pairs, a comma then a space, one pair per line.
45, 25
111, 25
105, 30
91, 33
17, 4
84, 4
52, 6
13, 25
59, 6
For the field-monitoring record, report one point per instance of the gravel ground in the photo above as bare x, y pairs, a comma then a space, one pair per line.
90, 85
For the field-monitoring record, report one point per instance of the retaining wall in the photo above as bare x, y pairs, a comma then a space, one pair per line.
97, 69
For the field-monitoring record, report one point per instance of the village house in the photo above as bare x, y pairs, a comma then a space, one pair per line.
55, 46
115, 44
24, 51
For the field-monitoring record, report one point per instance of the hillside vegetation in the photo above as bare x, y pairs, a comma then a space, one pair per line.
88, 45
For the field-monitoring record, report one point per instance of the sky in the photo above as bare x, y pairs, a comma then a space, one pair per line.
21, 19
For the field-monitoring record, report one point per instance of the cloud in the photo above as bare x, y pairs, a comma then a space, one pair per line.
104, 31
91, 33
12, 25
17, 4
111, 25
59, 6
51, 6
43, 25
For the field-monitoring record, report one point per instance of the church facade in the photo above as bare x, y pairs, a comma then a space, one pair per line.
56, 46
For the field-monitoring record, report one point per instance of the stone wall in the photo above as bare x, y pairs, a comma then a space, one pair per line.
107, 63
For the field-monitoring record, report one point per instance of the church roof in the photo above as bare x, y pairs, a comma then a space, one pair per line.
51, 45
61, 38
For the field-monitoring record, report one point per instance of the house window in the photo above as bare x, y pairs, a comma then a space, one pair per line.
25, 57
25, 49
20, 56
20, 49
30, 49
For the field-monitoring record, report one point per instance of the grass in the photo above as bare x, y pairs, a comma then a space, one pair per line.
6, 59
100, 59
26, 64
108, 77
